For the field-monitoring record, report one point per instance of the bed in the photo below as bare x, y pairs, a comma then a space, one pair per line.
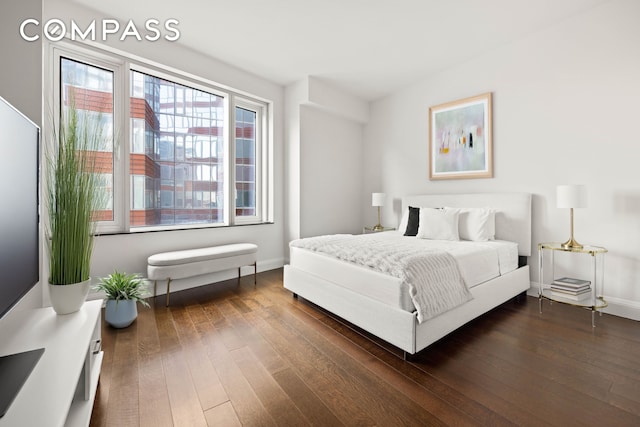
377, 302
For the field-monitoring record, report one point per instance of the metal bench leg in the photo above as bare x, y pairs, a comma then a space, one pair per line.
255, 273
155, 286
168, 290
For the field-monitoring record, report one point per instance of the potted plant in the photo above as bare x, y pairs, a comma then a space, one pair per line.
123, 292
73, 194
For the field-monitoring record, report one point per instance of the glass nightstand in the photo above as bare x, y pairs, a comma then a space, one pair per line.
595, 300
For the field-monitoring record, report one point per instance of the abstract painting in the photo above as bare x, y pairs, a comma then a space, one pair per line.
460, 142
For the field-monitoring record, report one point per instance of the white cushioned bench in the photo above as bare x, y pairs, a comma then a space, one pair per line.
195, 262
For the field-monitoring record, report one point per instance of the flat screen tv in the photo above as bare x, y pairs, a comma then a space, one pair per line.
19, 233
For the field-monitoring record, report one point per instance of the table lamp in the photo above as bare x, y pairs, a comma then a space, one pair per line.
571, 196
377, 199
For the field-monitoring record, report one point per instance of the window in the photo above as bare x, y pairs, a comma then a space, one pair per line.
245, 162
191, 154
89, 89
188, 127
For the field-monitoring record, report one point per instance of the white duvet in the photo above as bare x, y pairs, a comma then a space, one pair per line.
432, 274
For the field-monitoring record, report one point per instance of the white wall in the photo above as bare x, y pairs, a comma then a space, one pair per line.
565, 111
331, 174
324, 144
129, 252
21, 71
295, 95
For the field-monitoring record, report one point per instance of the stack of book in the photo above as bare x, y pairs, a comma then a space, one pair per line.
570, 288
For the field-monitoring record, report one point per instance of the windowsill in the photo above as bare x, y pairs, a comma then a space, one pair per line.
165, 230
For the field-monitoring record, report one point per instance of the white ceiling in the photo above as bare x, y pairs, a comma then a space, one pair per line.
368, 47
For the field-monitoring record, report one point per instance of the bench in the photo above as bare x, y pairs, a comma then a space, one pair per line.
195, 262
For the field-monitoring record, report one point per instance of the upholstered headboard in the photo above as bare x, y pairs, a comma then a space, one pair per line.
513, 212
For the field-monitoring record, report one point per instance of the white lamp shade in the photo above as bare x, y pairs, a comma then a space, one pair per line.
571, 196
377, 199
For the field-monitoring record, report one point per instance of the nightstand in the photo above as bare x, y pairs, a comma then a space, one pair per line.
369, 229
595, 300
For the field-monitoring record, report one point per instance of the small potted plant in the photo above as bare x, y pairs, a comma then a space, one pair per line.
123, 292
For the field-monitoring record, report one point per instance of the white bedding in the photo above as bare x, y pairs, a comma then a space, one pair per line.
477, 261
432, 275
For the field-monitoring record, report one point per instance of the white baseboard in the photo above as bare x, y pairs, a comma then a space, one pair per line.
192, 282
269, 264
617, 306
622, 308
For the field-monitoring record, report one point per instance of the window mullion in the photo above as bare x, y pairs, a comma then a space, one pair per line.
124, 148
230, 173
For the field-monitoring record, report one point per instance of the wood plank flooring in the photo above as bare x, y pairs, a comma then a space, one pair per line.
231, 354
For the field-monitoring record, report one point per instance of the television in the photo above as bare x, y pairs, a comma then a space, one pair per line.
19, 235
19, 207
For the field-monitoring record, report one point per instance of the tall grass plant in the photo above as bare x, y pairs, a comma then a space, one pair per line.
73, 195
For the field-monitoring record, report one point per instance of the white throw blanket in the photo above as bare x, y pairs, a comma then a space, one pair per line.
434, 280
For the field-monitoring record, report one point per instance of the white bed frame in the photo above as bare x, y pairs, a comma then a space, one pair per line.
401, 328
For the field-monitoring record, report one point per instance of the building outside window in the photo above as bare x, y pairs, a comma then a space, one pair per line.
89, 89
245, 161
184, 166
186, 127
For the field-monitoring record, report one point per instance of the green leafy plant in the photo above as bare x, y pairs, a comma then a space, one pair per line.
122, 286
73, 195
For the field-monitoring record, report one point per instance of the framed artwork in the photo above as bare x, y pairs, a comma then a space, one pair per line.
460, 143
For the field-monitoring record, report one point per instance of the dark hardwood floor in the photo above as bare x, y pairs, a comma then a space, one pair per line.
235, 354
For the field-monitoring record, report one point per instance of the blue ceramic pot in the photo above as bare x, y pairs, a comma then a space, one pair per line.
120, 314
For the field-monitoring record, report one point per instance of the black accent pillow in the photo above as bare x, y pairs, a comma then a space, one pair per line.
413, 222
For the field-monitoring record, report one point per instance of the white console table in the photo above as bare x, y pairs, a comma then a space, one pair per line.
61, 388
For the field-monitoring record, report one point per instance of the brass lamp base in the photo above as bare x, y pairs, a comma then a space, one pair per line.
378, 226
571, 244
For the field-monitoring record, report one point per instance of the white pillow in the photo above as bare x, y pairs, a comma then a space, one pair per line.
438, 224
477, 224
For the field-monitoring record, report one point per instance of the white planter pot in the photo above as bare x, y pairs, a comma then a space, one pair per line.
120, 314
66, 299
